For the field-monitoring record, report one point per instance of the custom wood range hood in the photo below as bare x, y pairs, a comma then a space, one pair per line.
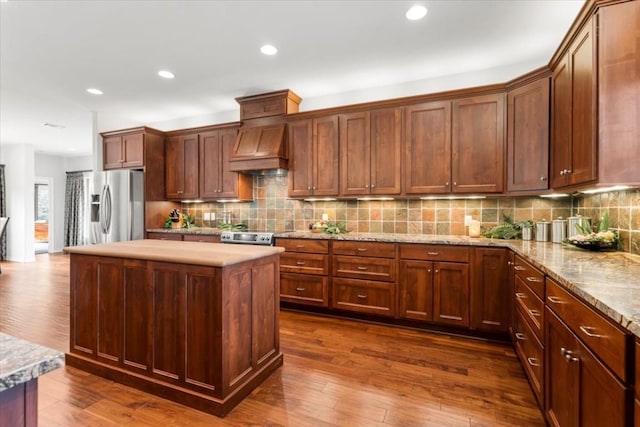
261, 144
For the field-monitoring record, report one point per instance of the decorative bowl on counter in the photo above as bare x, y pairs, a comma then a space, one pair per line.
593, 245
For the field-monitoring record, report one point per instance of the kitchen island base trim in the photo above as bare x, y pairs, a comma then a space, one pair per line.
190, 398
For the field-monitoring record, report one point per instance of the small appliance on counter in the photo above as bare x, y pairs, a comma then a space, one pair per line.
248, 238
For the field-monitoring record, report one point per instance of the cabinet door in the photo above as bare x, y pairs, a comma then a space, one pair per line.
451, 293
561, 381
583, 111
528, 137
416, 290
112, 152
110, 310
137, 316
84, 305
300, 158
182, 167
478, 144
133, 147
326, 157
234, 185
355, 154
209, 167
511, 277
427, 148
386, 141
561, 124
489, 289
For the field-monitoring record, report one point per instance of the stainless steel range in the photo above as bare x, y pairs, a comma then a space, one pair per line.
248, 237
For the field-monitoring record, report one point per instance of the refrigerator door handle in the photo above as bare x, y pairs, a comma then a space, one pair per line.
105, 220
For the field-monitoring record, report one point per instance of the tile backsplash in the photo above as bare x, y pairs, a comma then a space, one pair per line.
271, 210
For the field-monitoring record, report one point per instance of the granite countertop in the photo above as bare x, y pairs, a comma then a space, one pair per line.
22, 361
194, 253
609, 281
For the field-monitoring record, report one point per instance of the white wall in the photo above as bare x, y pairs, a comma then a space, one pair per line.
413, 88
19, 169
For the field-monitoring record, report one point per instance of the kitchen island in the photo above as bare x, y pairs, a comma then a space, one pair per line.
196, 323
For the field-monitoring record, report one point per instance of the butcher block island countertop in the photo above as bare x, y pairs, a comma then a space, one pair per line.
196, 323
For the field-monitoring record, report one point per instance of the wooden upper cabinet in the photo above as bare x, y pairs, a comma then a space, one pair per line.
215, 179
478, 145
427, 148
314, 157
561, 123
619, 93
574, 113
370, 148
528, 137
141, 148
182, 167
355, 153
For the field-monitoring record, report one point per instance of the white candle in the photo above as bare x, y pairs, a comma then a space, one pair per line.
325, 217
474, 228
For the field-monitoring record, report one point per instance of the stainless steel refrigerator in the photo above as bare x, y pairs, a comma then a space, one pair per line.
117, 206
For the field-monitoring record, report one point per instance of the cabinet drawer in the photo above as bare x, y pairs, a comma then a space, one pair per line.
364, 296
603, 338
303, 289
365, 268
530, 352
304, 245
200, 238
531, 307
365, 249
533, 277
304, 263
434, 252
164, 236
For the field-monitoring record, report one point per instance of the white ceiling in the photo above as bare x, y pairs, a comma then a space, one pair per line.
52, 51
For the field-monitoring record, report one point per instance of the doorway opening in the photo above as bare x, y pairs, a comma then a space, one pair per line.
41, 217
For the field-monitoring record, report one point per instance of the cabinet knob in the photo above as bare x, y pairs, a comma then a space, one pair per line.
314, 187
446, 184
373, 185
543, 178
309, 188
437, 271
429, 270
562, 172
568, 171
455, 183
366, 186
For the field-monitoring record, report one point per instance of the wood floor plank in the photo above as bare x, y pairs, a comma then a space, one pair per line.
336, 372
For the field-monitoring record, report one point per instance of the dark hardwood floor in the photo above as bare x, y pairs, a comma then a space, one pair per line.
335, 373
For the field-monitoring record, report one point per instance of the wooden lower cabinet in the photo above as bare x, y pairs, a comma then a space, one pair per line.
184, 237
489, 289
164, 236
304, 289
202, 336
304, 272
530, 351
580, 390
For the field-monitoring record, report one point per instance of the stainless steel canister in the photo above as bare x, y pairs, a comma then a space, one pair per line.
527, 233
576, 220
558, 230
543, 231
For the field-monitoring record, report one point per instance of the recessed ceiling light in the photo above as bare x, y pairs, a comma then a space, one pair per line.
94, 91
416, 12
268, 49
166, 74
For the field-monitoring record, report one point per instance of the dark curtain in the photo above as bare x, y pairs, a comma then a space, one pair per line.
74, 209
3, 212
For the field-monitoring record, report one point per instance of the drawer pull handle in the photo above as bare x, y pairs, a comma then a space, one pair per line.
563, 351
554, 300
362, 296
520, 295
433, 253
299, 246
300, 289
519, 268
520, 336
361, 249
535, 313
363, 268
533, 361
588, 331
568, 355
300, 263
533, 279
